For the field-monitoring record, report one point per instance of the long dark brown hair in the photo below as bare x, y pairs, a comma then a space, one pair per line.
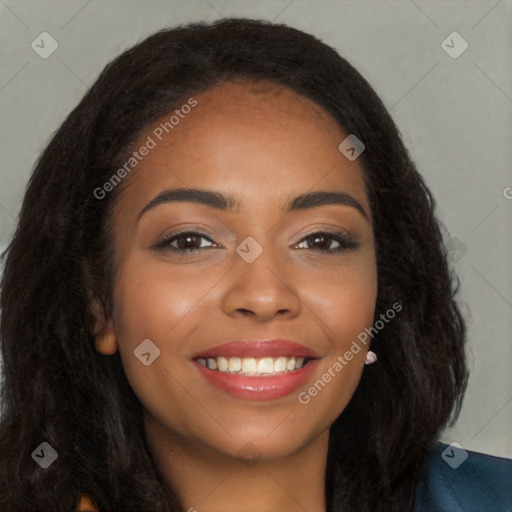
57, 388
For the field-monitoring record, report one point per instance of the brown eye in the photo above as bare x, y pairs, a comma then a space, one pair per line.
186, 242
322, 242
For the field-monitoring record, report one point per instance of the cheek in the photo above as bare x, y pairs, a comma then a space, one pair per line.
152, 298
345, 300
151, 303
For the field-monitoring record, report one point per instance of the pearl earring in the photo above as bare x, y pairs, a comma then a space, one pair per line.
371, 357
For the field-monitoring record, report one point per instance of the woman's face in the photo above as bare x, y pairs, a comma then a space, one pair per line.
253, 272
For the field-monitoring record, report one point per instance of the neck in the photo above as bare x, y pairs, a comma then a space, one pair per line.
206, 480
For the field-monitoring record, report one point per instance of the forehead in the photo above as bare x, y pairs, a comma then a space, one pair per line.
255, 138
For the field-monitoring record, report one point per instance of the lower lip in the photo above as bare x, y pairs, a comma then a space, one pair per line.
258, 388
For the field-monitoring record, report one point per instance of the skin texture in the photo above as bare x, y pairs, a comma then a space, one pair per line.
264, 144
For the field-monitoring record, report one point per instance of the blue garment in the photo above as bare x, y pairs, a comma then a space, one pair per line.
481, 483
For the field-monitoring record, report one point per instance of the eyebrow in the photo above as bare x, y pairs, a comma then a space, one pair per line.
229, 203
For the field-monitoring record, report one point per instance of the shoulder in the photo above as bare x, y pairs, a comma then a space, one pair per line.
458, 480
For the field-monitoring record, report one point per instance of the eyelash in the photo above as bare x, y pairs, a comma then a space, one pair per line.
345, 241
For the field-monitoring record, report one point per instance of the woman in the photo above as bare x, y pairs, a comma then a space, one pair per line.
228, 291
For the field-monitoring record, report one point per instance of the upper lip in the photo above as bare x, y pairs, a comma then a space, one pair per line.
258, 349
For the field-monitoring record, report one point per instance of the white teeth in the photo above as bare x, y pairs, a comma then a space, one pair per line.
266, 365
280, 364
249, 365
253, 366
234, 364
222, 364
290, 365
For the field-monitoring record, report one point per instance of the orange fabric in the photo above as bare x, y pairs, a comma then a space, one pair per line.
86, 504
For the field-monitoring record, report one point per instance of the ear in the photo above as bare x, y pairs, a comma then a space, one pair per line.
106, 341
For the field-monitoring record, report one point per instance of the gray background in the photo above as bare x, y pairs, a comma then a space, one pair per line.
454, 114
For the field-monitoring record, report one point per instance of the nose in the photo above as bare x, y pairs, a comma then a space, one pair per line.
263, 289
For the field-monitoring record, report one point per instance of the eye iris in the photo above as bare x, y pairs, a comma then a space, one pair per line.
324, 243
187, 242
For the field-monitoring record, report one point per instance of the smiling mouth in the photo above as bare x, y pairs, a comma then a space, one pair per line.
254, 367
